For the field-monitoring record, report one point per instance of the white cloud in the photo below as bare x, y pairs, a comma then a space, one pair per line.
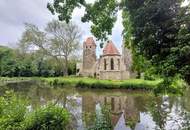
14, 13
85, 27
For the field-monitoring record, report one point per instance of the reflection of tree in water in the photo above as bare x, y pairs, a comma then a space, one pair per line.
184, 105
158, 113
169, 112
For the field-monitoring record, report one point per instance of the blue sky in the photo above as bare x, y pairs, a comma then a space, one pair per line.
14, 13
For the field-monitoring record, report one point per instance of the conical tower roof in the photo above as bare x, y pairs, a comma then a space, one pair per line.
90, 41
110, 49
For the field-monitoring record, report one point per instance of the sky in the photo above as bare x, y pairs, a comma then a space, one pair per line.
14, 13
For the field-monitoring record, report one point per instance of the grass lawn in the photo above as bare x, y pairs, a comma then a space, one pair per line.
94, 83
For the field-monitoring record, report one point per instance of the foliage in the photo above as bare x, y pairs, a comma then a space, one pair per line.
15, 116
12, 111
171, 85
175, 86
108, 84
48, 117
140, 64
156, 27
64, 7
59, 41
14, 62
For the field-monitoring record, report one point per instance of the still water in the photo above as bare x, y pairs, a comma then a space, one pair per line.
129, 110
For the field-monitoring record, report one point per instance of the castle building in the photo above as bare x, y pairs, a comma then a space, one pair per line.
111, 64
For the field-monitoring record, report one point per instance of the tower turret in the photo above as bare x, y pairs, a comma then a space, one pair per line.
89, 55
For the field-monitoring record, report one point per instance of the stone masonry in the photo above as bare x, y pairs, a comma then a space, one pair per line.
111, 64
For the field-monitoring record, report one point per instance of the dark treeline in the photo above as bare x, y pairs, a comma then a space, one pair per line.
14, 62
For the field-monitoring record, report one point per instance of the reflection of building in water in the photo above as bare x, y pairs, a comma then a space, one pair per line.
118, 104
88, 109
131, 113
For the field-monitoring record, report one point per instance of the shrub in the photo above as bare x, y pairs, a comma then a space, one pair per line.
48, 118
171, 85
14, 115
12, 111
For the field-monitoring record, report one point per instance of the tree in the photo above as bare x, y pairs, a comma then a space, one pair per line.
12, 63
60, 40
156, 29
7, 61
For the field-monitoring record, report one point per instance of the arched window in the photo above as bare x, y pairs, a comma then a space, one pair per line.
118, 60
112, 64
105, 64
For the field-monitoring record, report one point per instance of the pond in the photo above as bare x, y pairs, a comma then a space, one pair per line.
129, 110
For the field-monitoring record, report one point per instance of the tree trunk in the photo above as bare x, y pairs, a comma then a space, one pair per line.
66, 67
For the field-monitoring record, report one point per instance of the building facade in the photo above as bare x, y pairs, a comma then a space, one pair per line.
111, 64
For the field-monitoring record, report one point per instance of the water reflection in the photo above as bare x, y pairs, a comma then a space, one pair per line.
129, 110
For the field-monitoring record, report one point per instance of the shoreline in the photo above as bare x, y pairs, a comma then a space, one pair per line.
91, 83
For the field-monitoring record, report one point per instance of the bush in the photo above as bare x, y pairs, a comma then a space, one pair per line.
12, 111
14, 115
171, 85
48, 118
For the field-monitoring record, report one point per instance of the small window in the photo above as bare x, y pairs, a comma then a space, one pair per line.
90, 46
112, 64
118, 60
86, 47
105, 64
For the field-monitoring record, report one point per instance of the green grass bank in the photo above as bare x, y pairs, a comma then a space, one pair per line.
133, 84
84, 82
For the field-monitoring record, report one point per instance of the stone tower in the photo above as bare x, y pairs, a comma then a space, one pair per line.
89, 56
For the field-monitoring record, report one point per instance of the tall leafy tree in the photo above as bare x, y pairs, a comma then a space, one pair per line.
156, 28
60, 40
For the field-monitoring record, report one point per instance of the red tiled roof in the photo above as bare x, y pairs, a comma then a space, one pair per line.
90, 41
110, 49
